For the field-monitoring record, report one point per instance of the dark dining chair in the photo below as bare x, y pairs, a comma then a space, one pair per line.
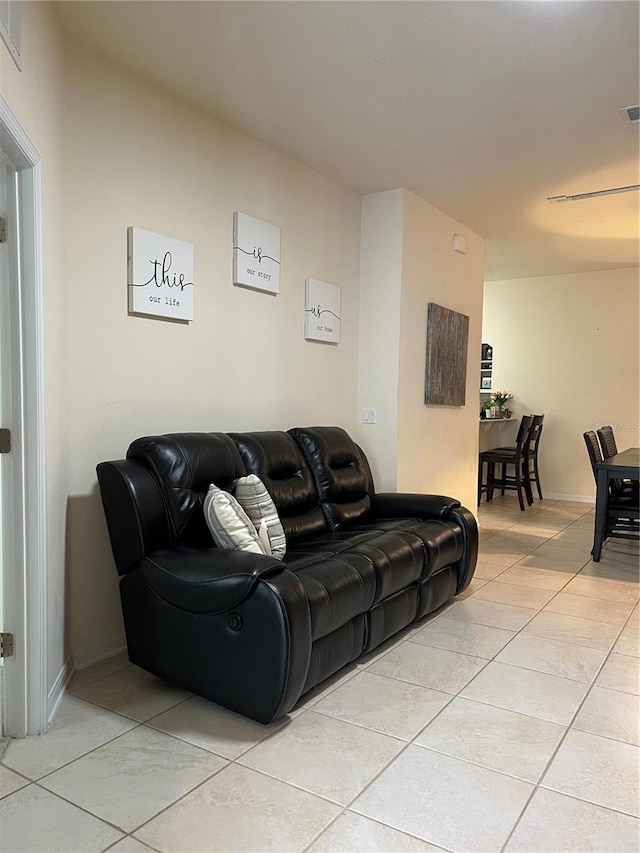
609, 448
503, 456
533, 474
607, 441
622, 513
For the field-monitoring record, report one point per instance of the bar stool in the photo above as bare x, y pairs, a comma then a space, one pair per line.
516, 456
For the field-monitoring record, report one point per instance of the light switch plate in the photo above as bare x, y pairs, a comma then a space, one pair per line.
368, 416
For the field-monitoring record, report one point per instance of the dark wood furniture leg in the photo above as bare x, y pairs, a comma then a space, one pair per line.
602, 488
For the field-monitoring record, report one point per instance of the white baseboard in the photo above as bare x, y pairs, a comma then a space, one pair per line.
114, 646
81, 660
57, 691
577, 498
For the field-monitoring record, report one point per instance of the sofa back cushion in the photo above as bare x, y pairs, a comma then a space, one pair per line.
184, 465
276, 458
341, 472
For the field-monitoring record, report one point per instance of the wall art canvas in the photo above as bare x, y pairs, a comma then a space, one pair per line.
256, 253
321, 311
446, 362
160, 275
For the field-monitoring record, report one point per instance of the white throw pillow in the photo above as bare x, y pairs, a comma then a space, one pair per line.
256, 501
229, 524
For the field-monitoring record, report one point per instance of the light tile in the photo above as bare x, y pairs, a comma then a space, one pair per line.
357, 834
553, 823
586, 522
334, 681
458, 635
597, 769
621, 568
610, 714
569, 508
513, 542
78, 728
81, 677
34, 820
590, 608
604, 588
628, 643
324, 756
492, 613
134, 693
426, 794
243, 811
10, 781
511, 743
556, 553
548, 527
572, 629
486, 570
130, 845
385, 705
485, 533
509, 593
495, 560
438, 669
211, 727
547, 697
579, 663
620, 672
566, 568
132, 778
573, 539
521, 575
474, 586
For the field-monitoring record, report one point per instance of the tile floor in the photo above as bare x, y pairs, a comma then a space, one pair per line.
507, 721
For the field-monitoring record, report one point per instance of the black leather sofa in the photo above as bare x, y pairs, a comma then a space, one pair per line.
250, 632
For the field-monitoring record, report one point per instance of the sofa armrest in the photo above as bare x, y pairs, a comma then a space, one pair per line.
392, 505
206, 580
469, 527
441, 508
231, 626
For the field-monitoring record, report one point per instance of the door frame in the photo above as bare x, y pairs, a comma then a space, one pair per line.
25, 673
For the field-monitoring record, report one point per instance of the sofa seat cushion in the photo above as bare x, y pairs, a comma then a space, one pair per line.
443, 541
395, 557
339, 587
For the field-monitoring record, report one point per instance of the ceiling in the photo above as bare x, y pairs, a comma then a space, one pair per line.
482, 107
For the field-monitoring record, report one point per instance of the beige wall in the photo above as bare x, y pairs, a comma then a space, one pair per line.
138, 157
35, 97
567, 346
379, 339
407, 262
438, 445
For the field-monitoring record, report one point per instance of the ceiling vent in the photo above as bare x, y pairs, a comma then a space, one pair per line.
10, 14
632, 114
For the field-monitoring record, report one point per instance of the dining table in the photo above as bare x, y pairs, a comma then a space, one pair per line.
622, 466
